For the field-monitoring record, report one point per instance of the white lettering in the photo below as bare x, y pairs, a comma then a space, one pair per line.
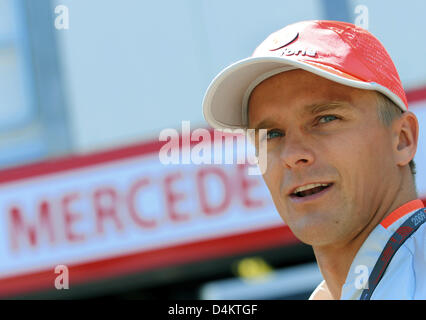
62, 21
299, 51
185, 310
169, 152
361, 19
289, 52
361, 281
311, 52
62, 280
201, 151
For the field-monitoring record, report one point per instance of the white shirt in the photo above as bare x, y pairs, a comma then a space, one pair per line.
405, 276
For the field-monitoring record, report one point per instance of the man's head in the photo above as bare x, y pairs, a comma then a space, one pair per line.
322, 132
337, 116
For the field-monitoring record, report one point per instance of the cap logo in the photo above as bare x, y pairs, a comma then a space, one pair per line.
284, 39
296, 51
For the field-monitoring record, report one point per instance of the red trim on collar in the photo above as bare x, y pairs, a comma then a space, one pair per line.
402, 211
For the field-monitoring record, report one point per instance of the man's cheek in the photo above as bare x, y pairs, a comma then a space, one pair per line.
272, 175
273, 183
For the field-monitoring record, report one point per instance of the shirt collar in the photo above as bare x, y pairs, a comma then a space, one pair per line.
401, 212
367, 255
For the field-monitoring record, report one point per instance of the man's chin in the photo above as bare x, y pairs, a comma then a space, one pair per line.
315, 234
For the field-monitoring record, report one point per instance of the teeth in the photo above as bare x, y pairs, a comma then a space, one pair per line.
310, 186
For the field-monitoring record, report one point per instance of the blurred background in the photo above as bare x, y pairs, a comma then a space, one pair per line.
88, 210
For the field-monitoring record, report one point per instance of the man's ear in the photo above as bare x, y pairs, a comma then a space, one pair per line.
406, 133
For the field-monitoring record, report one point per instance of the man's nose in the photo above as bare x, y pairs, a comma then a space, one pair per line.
296, 152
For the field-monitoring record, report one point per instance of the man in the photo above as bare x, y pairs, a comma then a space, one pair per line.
340, 149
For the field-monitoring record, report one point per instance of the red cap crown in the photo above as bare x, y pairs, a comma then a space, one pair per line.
340, 45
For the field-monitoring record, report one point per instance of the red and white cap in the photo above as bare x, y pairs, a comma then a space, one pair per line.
338, 51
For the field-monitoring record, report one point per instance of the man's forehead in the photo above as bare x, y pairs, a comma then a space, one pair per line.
299, 83
308, 95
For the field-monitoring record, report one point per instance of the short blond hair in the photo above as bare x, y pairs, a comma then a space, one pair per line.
388, 111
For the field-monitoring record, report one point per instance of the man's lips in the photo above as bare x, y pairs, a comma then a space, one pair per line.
308, 185
309, 196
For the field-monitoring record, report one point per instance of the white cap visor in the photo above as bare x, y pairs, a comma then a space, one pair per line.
225, 103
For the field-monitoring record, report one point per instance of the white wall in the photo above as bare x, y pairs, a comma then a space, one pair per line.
401, 26
132, 68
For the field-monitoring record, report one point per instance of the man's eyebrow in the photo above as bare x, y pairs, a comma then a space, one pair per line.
266, 123
311, 109
326, 106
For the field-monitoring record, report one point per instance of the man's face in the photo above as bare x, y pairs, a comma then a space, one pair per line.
321, 132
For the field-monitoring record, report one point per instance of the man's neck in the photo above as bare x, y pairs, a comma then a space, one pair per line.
335, 260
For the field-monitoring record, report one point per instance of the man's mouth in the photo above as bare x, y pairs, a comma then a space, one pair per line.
310, 189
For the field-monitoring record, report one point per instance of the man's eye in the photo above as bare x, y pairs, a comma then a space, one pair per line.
273, 134
327, 118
